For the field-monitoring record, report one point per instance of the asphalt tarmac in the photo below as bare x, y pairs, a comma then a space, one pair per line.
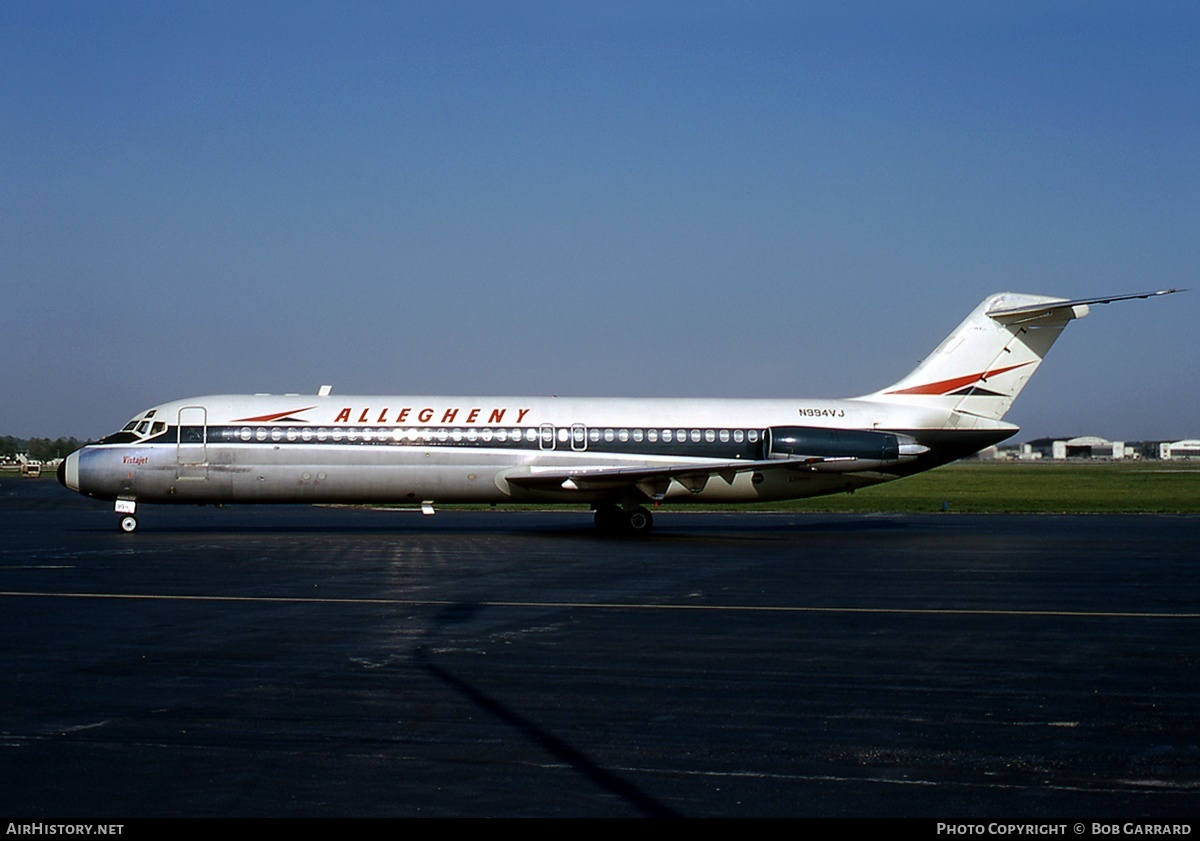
298, 661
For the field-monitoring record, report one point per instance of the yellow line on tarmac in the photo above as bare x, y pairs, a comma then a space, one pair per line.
724, 608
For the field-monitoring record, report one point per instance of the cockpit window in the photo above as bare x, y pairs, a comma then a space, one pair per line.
129, 426
143, 427
158, 428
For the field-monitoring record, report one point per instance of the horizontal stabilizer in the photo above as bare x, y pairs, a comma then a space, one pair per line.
1045, 309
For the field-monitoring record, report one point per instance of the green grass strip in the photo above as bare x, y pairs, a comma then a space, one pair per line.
1139, 487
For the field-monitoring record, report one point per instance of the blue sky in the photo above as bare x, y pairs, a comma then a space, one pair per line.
669, 199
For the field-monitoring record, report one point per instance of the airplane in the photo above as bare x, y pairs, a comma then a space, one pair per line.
616, 455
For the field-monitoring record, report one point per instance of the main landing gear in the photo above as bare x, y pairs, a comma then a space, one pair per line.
612, 519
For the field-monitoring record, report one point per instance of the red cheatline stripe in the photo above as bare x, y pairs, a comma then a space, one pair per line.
269, 418
945, 386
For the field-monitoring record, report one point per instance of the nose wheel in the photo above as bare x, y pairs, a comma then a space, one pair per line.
127, 512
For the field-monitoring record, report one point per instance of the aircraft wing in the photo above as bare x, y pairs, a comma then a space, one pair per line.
654, 481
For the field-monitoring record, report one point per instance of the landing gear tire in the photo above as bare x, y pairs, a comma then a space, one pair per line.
128, 524
634, 522
638, 521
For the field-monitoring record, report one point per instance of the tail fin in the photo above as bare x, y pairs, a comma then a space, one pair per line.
981, 367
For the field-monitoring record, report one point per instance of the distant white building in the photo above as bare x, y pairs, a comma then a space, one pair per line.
1089, 446
1179, 449
1086, 446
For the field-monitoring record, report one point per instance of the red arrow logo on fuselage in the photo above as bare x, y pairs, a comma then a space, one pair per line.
278, 416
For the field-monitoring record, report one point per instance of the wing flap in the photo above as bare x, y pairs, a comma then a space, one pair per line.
653, 481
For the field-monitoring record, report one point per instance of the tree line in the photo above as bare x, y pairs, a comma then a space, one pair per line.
38, 449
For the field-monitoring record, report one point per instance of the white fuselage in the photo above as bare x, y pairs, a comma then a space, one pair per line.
236, 448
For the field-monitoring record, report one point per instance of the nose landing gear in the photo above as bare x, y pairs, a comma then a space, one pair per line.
127, 509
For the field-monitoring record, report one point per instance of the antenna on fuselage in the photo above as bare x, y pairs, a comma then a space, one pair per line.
324, 391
